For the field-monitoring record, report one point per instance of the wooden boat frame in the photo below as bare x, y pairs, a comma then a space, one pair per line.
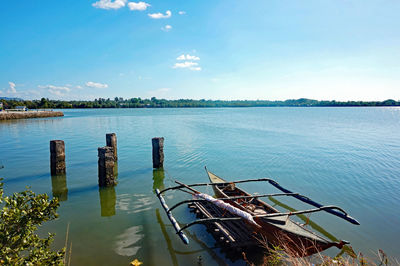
334, 210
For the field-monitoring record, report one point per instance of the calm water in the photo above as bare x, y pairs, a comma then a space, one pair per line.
343, 156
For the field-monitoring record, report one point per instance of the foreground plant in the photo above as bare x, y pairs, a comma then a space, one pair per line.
285, 254
20, 216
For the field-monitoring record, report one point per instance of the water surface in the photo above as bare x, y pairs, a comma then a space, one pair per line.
343, 156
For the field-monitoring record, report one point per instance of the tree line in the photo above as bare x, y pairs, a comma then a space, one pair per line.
119, 102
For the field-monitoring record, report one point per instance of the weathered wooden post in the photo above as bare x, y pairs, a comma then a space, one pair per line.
111, 141
106, 167
57, 157
158, 152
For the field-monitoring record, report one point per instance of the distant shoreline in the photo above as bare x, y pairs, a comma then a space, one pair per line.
119, 102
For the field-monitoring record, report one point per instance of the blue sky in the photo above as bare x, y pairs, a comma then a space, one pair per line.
275, 49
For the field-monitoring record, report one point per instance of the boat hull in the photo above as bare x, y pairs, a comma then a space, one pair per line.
277, 231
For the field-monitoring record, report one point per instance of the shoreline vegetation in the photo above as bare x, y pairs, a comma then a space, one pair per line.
119, 102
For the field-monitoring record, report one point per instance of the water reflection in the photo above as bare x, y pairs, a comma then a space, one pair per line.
172, 252
108, 199
167, 239
59, 187
158, 179
134, 203
127, 245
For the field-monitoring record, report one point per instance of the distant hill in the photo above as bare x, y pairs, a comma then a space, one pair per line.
119, 102
11, 99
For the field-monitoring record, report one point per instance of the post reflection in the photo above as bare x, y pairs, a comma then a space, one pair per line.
59, 187
108, 199
158, 179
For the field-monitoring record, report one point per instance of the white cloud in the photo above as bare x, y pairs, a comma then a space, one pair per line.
188, 57
12, 87
182, 12
160, 15
56, 92
109, 4
166, 28
192, 57
141, 6
96, 85
1, 92
55, 88
188, 64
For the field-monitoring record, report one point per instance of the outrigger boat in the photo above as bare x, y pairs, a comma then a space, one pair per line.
261, 219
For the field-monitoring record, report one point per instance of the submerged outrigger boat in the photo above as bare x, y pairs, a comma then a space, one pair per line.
259, 218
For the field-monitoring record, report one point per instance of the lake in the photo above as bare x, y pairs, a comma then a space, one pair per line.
348, 157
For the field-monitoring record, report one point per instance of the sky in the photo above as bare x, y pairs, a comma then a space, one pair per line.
200, 49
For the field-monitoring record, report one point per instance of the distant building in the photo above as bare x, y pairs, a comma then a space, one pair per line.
21, 108
1, 106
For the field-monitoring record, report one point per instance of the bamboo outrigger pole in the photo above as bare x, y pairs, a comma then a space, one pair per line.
307, 200
174, 223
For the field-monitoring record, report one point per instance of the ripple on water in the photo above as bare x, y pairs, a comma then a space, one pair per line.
343, 156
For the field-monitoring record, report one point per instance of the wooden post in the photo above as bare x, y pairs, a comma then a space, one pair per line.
106, 167
111, 141
158, 152
57, 157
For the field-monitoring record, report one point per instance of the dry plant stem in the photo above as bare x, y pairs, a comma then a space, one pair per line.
66, 243
70, 254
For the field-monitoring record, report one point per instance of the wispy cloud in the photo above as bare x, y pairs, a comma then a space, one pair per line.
12, 88
186, 64
109, 4
56, 90
189, 65
182, 12
141, 6
161, 92
188, 57
96, 85
160, 15
166, 28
